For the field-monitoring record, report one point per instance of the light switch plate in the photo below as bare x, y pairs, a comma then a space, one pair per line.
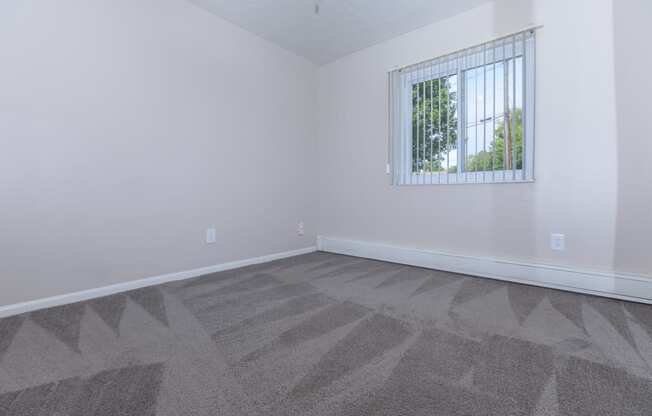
211, 235
558, 242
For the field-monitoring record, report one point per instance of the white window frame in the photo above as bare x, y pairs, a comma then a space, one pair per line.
504, 50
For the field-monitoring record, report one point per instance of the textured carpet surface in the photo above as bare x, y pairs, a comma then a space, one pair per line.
325, 334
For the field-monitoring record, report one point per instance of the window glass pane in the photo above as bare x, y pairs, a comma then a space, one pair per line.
500, 90
469, 87
491, 142
509, 157
518, 113
480, 93
471, 149
434, 125
416, 124
513, 128
490, 119
498, 145
449, 97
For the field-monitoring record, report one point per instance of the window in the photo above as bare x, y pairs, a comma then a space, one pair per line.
467, 117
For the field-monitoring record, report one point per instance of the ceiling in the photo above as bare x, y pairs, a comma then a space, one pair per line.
341, 27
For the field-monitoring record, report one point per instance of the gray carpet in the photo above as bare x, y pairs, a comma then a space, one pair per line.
324, 334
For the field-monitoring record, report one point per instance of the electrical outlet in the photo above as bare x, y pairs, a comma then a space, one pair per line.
301, 229
211, 235
558, 242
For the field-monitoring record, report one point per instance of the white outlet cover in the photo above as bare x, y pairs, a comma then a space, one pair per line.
211, 235
301, 231
558, 242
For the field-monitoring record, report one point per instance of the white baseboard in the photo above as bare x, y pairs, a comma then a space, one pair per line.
74, 297
612, 285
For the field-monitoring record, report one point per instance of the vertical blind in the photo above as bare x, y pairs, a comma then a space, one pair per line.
466, 117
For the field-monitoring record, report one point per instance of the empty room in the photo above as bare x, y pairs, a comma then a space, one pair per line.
325, 208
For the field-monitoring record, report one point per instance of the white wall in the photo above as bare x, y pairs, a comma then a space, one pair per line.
576, 148
127, 127
634, 90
